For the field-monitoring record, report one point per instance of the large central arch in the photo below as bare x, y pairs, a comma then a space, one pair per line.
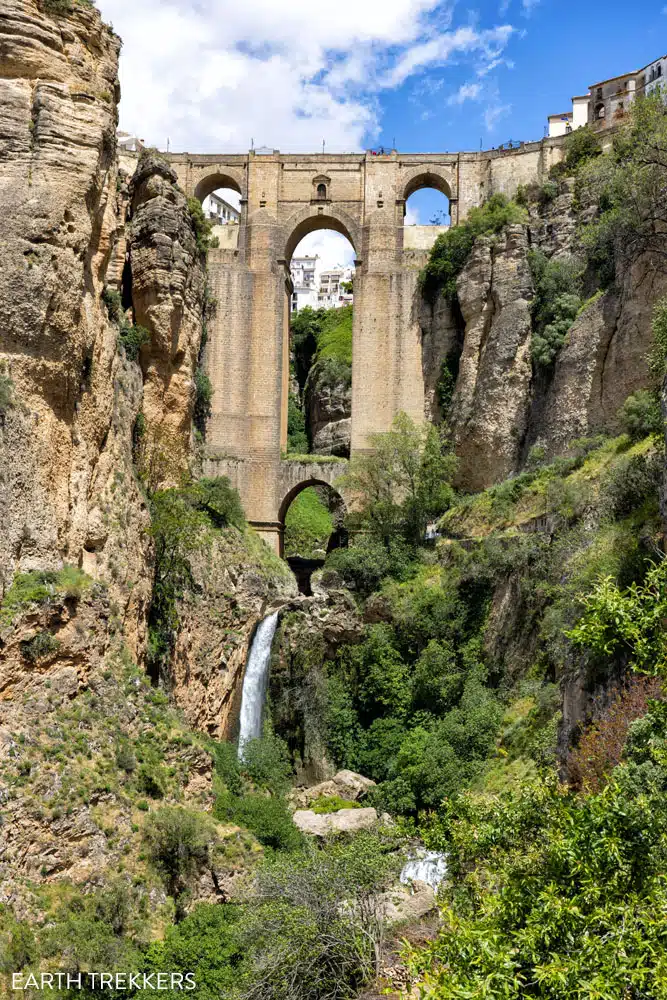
309, 220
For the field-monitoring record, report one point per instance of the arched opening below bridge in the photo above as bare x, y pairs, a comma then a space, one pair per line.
312, 516
220, 198
427, 211
319, 391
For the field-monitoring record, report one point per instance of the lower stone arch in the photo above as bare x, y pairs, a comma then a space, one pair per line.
303, 567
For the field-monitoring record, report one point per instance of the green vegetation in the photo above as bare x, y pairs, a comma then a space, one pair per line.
180, 844
41, 587
297, 439
625, 188
322, 350
131, 338
308, 525
203, 398
201, 225
452, 249
556, 304
42, 645
183, 522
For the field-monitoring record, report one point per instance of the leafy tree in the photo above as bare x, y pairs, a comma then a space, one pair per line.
581, 145
203, 399
179, 842
297, 439
631, 621
550, 895
640, 415
403, 482
555, 305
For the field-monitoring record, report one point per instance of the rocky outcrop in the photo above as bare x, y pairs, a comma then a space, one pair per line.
491, 401
168, 276
602, 362
502, 405
328, 403
237, 582
346, 785
67, 491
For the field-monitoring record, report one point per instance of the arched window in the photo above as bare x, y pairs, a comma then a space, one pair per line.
321, 190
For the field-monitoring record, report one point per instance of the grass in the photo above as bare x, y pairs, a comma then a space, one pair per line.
41, 586
314, 459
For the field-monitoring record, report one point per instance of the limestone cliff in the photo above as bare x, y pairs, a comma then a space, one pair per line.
67, 489
328, 404
500, 403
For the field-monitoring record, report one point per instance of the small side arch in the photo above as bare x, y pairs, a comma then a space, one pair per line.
427, 179
216, 180
335, 504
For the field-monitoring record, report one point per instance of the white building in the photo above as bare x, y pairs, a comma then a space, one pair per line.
608, 101
219, 211
653, 76
332, 294
303, 273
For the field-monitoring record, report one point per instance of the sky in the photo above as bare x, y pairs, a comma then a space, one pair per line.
416, 75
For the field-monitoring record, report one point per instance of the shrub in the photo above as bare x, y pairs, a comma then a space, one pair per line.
133, 338
555, 306
581, 145
179, 844
362, 566
602, 743
297, 439
39, 647
269, 818
201, 226
640, 415
125, 758
657, 359
203, 399
151, 780
267, 763
629, 483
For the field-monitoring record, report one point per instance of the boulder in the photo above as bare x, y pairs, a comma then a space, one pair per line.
343, 821
345, 784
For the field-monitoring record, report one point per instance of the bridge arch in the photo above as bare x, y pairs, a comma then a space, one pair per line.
427, 179
314, 218
227, 178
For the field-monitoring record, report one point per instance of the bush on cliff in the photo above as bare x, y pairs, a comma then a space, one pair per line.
452, 249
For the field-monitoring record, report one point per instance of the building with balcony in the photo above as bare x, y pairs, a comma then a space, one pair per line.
303, 274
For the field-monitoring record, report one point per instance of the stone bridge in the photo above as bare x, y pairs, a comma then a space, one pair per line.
283, 198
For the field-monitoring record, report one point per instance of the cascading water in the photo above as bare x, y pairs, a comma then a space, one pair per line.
425, 866
254, 682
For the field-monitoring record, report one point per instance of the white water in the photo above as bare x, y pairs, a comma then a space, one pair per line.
425, 866
254, 682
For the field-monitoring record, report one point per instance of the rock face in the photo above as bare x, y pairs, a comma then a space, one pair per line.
328, 401
501, 406
237, 582
65, 436
491, 401
167, 280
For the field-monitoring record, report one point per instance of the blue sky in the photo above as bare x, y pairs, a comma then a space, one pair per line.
433, 75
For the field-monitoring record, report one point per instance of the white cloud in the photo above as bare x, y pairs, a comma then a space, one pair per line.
214, 75
528, 6
494, 112
466, 92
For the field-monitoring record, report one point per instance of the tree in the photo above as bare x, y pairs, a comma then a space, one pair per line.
179, 845
403, 483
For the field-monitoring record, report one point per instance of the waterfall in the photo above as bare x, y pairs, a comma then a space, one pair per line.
254, 681
425, 866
